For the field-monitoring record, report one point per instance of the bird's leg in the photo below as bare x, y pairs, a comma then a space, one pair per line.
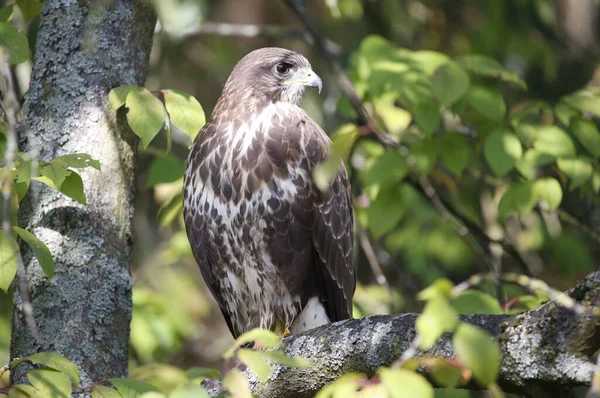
282, 330
286, 333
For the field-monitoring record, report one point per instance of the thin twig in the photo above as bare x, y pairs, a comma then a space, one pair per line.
531, 284
478, 232
8, 366
251, 31
9, 110
367, 247
365, 243
587, 229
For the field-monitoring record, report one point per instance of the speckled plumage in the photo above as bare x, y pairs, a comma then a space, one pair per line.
266, 239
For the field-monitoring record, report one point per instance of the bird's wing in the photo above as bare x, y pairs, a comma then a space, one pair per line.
313, 238
332, 238
196, 224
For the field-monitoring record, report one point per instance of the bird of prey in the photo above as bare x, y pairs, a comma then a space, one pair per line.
275, 251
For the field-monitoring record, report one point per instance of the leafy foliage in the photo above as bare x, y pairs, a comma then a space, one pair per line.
58, 174
147, 115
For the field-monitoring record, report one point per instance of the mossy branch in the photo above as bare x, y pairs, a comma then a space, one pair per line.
546, 351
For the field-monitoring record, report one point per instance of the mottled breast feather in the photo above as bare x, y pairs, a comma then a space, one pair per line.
265, 238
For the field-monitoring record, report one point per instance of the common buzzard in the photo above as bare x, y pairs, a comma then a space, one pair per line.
275, 251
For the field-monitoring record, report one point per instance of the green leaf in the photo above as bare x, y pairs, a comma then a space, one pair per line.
553, 141
587, 100
550, 190
145, 115
80, 161
437, 318
385, 212
571, 254
477, 350
565, 114
9, 250
170, 209
587, 133
529, 163
476, 302
596, 181
255, 360
6, 13
579, 170
22, 391
341, 144
442, 287
427, 115
30, 8
57, 171
282, 358
196, 372
455, 152
73, 188
188, 391
105, 392
387, 169
166, 168
237, 385
402, 383
345, 386
519, 198
445, 374
54, 361
427, 61
152, 394
502, 150
488, 67
118, 95
265, 338
488, 102
15, 42
50, 383
185, 112
450, 83
40, 250
396, 119
426, 153
23, 171
131, 388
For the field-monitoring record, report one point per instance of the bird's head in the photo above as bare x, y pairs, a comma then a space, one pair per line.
272, 74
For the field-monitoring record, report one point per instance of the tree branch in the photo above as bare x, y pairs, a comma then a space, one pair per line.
251, 31
545, 351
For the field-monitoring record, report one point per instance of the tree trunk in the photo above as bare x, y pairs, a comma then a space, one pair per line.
84, 48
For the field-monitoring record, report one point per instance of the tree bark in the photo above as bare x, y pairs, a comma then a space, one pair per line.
84, 48
545, 351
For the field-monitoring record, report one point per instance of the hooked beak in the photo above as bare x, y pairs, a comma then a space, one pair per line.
313, 80
308, 78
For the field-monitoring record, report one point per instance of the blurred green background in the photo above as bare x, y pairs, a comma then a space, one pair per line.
551, 45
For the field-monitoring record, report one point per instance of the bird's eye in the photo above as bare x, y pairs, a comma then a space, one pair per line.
283, 68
